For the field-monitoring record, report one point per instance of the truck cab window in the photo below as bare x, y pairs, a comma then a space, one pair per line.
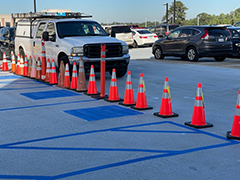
51, 31
40, 30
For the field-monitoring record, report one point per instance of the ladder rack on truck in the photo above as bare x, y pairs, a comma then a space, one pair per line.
47, 15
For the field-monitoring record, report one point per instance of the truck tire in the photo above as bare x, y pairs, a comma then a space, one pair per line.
21, 53
65, 61
219, 58
1, 55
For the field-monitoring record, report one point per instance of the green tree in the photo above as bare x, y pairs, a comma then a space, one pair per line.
180, 13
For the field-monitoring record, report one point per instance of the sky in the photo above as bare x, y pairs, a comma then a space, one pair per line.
108, 11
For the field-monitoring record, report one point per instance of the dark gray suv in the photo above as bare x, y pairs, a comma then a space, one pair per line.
194, 42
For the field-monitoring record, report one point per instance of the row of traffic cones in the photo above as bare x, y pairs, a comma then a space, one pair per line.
78, 83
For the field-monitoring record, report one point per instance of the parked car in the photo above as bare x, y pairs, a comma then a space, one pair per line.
162, 30
121, 32
194, 42
237, 24
143, 37
6, 41
235, 33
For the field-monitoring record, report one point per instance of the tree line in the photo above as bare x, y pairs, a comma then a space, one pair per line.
200, 19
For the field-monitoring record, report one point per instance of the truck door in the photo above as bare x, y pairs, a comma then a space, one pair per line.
51, 46
37, 45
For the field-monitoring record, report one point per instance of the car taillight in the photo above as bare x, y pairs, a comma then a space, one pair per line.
155, 36
143, 37
229, 32
206, 35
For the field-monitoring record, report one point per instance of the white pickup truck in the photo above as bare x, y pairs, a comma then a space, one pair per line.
67, 37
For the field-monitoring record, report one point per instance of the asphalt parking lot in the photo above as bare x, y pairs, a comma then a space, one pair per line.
46, 134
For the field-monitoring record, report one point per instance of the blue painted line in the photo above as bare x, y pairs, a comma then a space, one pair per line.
153, 131
25, 177
87, 149
46, 105
50, 94
202, 132
5, 82
107, 166
122, 163
10, 77
8, 89
103, 112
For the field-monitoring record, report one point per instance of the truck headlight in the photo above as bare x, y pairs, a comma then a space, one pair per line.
125, 49
77, 51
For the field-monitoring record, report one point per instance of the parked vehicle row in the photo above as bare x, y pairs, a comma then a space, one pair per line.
6, 41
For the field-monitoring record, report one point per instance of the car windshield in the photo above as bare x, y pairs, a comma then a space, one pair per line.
79, 28
144, 32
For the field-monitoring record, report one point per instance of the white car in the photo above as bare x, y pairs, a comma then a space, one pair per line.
143, 37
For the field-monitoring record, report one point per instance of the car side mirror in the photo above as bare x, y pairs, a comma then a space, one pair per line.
45, 36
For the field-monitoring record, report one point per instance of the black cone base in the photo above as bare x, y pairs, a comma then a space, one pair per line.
97, 96
121, 103
198, 127
165, 116
91, 94
147, 108
229, 136
106, 99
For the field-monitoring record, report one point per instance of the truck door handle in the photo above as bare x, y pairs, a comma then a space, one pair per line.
34, 43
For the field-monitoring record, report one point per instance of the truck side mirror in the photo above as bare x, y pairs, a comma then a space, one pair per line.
45, 36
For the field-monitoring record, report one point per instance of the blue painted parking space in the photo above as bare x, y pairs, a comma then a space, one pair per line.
103, 112
144, 129
10, 77
50, 94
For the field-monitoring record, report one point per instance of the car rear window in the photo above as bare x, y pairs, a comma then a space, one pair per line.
121, 29
144, 32
215, 32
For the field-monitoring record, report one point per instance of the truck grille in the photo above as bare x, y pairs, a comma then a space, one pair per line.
94, 50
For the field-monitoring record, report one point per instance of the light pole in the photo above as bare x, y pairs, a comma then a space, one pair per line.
166, 4
174, 11
35, 9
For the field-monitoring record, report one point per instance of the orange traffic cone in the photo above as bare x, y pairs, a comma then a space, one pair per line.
29, 66
53, 76
166, 104
141, 103
25, 72
235, 133
113, 92
81, 84
198, 118
34, 69
4, 64
67, 77
13, 63
18, 65
61, 75
39, 69
74, 77
128, 96
48, 71
92, 86
21, 67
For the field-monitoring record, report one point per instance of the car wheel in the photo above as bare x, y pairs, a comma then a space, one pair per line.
192, 54
158, 53
219, 58
135, 45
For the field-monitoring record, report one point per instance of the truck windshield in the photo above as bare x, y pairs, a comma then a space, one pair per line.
79, 28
